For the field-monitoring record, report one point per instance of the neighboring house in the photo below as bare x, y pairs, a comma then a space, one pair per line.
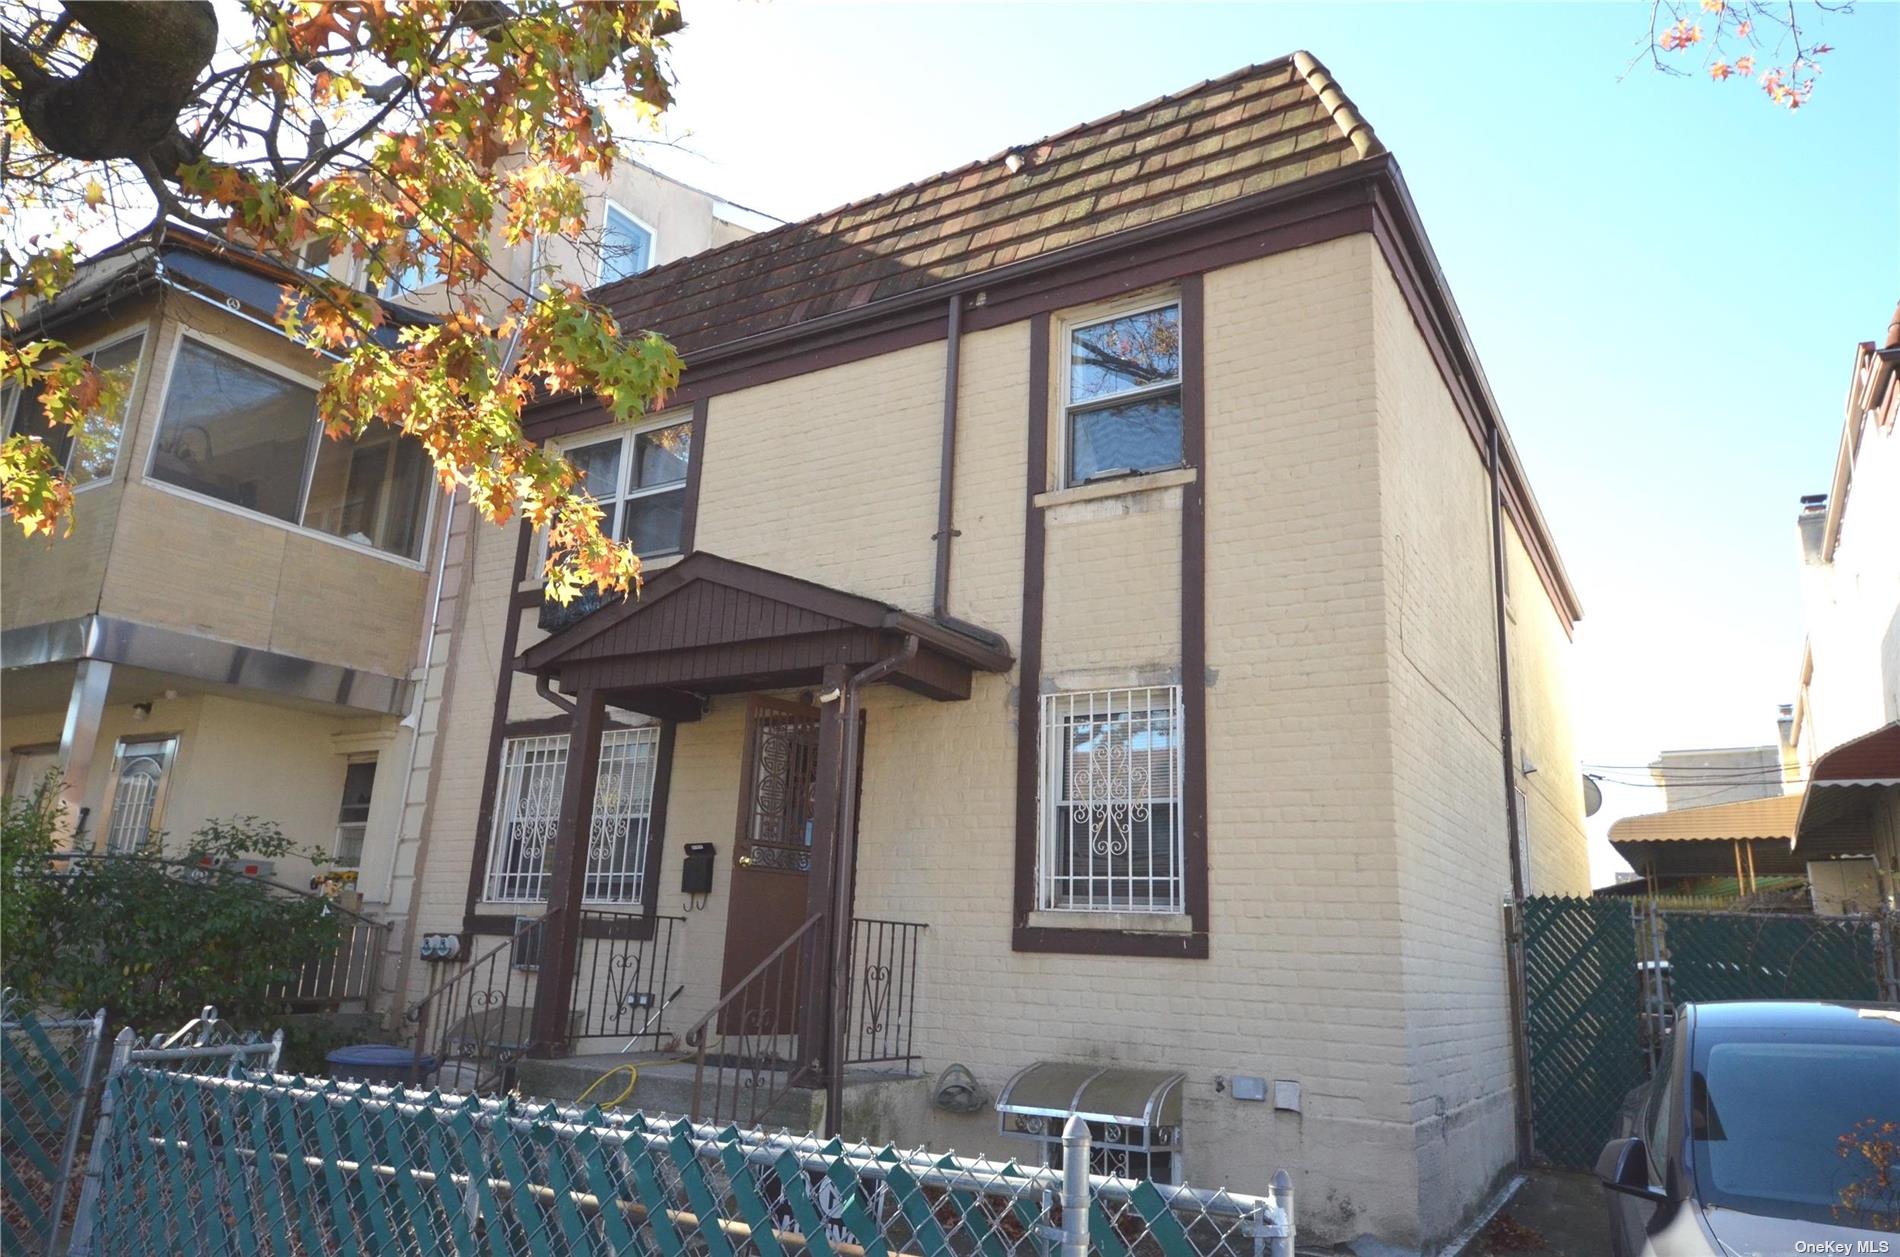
1836, 819
243, 615
1847, 710
1728, 774
1139, 491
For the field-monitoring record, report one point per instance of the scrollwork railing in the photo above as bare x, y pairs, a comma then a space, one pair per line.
882, 995
755, 1045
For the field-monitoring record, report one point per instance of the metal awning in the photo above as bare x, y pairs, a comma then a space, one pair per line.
1148, 1099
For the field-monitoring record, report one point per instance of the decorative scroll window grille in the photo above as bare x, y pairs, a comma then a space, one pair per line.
782, 771
1111, 802
522, 847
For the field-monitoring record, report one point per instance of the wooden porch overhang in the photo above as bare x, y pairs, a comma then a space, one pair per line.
711, 625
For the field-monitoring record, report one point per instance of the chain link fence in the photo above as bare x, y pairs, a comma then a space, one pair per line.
46, 1076
285, 1165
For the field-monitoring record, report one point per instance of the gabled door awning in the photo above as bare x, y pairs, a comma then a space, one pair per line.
710, 625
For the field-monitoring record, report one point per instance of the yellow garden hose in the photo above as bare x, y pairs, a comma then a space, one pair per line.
633, 1078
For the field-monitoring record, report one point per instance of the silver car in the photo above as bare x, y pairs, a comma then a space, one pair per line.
1769, 1128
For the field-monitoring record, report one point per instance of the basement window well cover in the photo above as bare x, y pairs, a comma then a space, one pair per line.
1134, 1115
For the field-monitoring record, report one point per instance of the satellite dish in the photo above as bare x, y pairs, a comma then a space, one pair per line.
1592, 795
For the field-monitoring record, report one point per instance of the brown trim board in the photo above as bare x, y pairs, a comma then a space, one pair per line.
498, 725
1030, 938
695, 461
1367, 195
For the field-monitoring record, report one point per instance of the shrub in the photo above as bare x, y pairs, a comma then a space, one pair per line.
152, 940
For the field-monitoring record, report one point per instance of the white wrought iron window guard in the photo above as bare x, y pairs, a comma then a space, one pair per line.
1111, 820
522, 844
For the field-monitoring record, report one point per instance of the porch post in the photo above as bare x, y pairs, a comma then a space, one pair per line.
77, 739
827, 811
567, 881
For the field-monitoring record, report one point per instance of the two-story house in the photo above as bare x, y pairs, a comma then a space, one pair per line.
1104, 568
245, 615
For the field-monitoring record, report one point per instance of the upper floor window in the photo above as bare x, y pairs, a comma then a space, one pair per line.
242, 434
417, 276
1111, 801
91, 458
640, 481
1122, 395
626, 245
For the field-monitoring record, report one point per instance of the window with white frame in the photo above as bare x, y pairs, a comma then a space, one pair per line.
639, 479
1111, 837
1122, 395
352, 816
626, 245
243, 434
140, 771
528, 813
95, 453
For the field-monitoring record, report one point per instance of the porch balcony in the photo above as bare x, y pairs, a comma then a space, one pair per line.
807, 986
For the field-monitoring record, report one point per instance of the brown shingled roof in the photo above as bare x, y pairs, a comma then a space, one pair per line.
1258, 128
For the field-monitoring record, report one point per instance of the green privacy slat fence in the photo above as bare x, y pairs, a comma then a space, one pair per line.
1729, 955
1580, 1004
270, 1164
46, 1073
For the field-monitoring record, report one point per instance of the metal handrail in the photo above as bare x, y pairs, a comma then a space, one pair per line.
753, 1008
478, 1002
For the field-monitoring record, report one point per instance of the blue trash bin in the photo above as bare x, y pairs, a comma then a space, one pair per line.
382, 1063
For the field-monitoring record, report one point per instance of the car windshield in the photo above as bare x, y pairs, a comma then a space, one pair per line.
1806, 1129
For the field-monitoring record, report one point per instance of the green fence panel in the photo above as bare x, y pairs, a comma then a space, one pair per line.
1730, 956
1581, 1006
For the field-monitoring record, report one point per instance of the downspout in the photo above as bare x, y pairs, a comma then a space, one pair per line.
1507, 742
413, 913
946, 484
844, 856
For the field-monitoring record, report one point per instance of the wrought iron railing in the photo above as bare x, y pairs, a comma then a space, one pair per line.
755, 1046
623, 981
880, 1021
474, 1027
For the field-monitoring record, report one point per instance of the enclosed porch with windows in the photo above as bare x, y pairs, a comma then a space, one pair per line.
754, 681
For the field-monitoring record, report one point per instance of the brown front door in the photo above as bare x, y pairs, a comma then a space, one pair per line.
772, 851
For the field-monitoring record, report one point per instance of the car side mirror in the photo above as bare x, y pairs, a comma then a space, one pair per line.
1624, 1167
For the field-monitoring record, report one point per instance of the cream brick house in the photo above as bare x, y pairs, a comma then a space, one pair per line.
244, 616
1106, 546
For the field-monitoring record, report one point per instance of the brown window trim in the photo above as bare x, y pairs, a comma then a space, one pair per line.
1097, 942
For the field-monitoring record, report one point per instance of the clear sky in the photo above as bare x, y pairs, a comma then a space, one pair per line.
1665, 277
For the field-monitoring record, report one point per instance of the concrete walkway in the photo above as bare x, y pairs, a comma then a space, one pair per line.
1555, 1214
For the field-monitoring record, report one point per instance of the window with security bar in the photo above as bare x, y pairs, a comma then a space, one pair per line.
528, 815
1111, 801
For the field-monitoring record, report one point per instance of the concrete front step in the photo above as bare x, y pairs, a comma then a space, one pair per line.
665, 1087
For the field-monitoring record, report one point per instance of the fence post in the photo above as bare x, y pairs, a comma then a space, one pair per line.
1282, 1194
101, 1137
74, 1123
276, 1051
1075, 1188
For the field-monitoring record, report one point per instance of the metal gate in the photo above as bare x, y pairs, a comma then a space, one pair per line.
46, 1075
1602, 978
1580, 1022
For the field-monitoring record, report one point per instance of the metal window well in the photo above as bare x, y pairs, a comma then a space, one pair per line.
1134, 1115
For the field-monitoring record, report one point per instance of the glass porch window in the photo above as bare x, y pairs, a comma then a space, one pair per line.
522, 846
1111, 805
93, 457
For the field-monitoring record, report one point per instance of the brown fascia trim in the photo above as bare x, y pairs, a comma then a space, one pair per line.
1365, 196
497, 732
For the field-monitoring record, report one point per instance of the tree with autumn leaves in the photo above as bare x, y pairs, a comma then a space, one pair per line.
1742, 41
398, 135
